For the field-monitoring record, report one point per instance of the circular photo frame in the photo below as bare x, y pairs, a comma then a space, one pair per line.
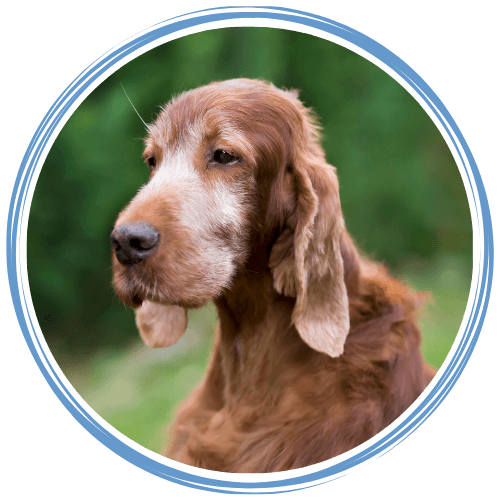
178, 27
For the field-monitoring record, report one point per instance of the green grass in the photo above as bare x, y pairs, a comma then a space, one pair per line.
448, 283
137, 389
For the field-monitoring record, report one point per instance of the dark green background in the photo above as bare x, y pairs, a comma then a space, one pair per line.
402, 197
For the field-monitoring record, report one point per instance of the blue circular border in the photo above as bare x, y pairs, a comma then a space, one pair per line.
447, 378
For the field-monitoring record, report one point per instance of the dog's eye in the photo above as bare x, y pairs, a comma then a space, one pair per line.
223, 157
151, 161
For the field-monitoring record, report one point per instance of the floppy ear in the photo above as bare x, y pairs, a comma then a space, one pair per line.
306, 261
160, 325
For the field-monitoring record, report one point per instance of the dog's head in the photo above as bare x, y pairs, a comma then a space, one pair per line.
232, 163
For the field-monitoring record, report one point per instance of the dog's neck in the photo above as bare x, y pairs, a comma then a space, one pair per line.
257, 338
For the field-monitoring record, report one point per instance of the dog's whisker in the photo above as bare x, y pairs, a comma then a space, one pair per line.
137, 112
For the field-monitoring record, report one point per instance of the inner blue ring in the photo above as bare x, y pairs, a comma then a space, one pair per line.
446, 379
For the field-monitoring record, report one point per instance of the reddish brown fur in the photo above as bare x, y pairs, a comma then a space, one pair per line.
269, 401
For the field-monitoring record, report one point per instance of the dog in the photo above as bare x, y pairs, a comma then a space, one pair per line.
317, 348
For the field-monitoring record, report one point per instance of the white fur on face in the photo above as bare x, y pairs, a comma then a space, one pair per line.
203, 206
210, 211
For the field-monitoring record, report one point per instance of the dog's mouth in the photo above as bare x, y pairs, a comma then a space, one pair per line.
130, 297
179, 285
136, 301
133, 292
130, 286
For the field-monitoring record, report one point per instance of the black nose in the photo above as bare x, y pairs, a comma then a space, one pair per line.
132, 243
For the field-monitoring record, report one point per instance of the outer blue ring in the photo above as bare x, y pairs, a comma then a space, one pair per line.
446, 379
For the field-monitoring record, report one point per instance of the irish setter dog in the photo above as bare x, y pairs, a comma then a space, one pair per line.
317, 348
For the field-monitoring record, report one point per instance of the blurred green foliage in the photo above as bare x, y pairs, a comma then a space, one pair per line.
402, 196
